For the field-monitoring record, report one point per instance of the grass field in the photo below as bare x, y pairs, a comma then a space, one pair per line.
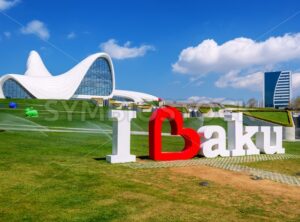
81, 114
278, 117
60, 176
290, 167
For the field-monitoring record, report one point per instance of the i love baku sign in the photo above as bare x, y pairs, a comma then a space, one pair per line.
207, 141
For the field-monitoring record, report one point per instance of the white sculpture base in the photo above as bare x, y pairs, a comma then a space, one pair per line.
120, 159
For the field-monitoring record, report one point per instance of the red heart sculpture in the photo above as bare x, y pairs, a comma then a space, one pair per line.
191, 137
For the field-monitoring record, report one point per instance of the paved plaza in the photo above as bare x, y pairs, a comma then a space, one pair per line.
228, 163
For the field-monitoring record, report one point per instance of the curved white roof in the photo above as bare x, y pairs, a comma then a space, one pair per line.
39, 82
137, 97
1, 92
35, 66
42, 85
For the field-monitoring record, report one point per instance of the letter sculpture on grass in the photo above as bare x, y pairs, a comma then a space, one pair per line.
270, 142
190, 136
239, 137
121, 137
214, 141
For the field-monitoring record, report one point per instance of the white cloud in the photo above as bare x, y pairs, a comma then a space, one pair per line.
37, 28
208, 100
296, 84
237, 54
252, 81
124, 52
235, 80
6, 4
7, 34
204, 99
71, 35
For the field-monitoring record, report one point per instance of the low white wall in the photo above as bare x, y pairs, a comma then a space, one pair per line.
289, 133
211, 114
185, 115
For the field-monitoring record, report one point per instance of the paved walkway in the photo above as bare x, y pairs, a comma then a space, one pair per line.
228, 163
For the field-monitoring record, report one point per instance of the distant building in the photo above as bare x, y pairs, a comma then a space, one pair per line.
93, 78
277, 89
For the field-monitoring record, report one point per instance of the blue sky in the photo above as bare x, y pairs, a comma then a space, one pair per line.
146, 38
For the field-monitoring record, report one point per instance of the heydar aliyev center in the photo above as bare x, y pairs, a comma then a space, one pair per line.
94, 77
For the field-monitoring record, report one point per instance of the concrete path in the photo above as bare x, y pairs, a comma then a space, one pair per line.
228, 163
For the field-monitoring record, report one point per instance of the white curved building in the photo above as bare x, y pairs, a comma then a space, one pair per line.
94, 77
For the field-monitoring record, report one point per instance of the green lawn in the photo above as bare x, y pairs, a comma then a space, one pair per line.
51, 176
63, 177
142, 120
81, 114
278, 117
216, 109
291, 166
204, 109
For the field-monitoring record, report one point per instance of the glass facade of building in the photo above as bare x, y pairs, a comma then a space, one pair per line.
98, 80
277, 89
122, 99
14, 90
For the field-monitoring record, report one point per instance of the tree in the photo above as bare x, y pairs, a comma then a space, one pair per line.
296, 103
252, 103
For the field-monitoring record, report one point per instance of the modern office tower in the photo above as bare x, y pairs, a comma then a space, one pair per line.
277, 89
